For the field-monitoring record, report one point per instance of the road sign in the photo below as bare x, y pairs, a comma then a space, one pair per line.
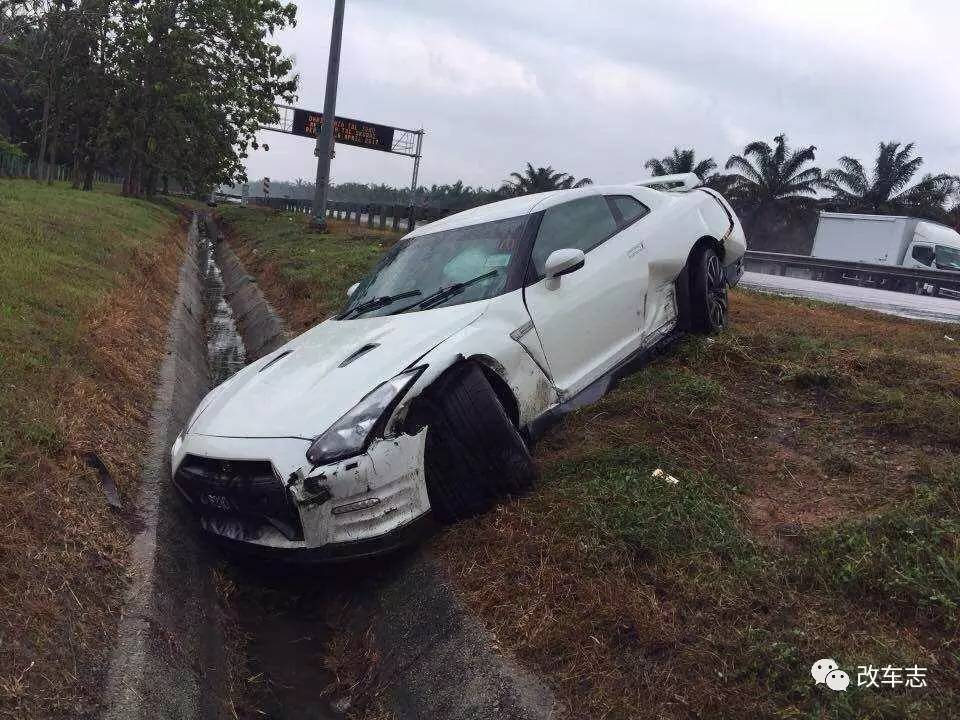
306, 123
387, 138
396, 140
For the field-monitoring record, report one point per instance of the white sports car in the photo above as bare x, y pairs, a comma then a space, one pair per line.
459, 347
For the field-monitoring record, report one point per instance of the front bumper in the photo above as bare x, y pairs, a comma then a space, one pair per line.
360, 506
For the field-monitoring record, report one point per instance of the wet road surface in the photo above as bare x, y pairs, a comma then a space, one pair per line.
918, 307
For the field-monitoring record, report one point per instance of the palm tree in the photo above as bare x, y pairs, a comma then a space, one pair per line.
773, 182
542, 179
953, 216
888, 190
682, 161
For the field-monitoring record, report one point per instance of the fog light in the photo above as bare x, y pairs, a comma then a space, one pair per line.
354, 506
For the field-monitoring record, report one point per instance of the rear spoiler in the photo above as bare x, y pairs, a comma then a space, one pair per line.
682, 181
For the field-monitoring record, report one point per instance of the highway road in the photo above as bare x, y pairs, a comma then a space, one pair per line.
919, 307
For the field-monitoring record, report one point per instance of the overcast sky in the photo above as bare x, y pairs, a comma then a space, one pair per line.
596, 88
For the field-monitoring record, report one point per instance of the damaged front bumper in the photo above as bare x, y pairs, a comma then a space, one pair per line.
254, 494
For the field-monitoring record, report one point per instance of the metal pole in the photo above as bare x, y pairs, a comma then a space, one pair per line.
416, 168
325, 138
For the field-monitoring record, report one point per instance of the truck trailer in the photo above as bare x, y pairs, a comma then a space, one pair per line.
887, 240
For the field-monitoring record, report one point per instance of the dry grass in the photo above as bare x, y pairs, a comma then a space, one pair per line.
87, 389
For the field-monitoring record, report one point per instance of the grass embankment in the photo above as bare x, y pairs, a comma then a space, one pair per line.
86, 283
816, 513
304, 274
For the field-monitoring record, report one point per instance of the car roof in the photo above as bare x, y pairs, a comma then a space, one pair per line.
526, 204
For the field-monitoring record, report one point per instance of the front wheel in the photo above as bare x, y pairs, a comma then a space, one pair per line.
708, 292
474, 454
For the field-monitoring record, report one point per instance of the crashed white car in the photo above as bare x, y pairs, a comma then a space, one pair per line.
460, 346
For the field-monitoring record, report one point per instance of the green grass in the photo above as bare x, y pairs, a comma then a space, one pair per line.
61, 251
761, 617
905, 560
617, 497
318, 268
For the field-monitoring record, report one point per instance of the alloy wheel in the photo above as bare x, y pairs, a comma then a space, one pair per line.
716, 292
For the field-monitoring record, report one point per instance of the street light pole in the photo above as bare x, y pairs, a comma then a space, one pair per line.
325, 138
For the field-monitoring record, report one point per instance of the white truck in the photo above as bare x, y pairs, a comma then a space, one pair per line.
886, 240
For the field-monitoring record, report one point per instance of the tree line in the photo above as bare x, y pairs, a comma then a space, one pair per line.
162, 92
775, 188
450, 196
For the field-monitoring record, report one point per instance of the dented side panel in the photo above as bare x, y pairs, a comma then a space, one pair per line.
496, 341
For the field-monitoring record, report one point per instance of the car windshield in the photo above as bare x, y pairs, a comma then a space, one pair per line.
948, 258
430, 269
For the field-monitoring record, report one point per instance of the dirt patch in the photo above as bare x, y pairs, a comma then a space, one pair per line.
64, 553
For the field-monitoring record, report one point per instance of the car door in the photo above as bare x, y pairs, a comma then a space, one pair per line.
592, 318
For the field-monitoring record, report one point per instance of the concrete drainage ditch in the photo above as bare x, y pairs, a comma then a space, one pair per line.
430, 659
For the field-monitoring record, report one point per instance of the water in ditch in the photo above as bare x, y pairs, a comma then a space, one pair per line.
281, 614
225, 349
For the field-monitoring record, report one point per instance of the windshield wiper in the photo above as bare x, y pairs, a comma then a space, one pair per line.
446, 293
377, 303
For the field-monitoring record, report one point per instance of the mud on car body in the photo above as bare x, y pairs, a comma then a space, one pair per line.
468, 337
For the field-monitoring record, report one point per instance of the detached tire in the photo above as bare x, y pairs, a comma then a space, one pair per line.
474, 454
708, 292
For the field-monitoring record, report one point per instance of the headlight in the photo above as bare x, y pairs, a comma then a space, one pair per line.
349, 435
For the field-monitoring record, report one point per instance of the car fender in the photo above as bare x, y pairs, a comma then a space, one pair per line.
508, 356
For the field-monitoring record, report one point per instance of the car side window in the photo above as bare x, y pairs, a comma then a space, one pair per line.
627, 209
923, 254
580, 224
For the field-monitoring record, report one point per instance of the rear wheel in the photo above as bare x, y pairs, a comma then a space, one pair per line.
474, 454
708, 292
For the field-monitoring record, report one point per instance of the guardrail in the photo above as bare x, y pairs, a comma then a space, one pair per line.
373, 215
939, 283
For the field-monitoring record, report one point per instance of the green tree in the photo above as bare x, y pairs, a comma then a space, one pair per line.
774, 180
773, 189
681, 161
953, 216
542, 179
887, 190
160, 89
199, 79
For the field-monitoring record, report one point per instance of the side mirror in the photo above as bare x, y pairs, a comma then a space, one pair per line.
561, 262
352, 289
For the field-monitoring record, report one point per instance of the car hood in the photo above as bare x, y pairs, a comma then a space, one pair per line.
308, 384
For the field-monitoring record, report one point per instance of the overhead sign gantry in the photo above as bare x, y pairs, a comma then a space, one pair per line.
359, 133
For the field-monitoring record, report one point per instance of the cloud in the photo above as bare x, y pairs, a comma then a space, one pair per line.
433, 58
618, 84
596, 89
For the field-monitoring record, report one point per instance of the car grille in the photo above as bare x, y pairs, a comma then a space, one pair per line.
247, 490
